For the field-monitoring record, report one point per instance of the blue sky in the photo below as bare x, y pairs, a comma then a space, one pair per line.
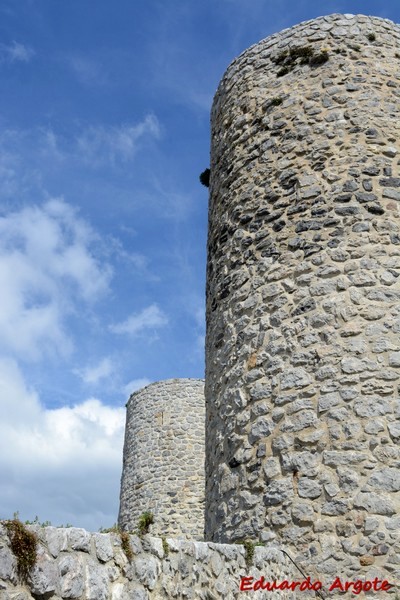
104, 130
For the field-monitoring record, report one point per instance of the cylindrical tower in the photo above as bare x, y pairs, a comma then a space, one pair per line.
163, 464
303, 296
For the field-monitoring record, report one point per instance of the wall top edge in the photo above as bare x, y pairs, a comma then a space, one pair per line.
176, 382
341, 21
147, 541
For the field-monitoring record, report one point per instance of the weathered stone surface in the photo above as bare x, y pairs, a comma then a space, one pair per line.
386, 479
56, 542
44, 575
371, 523
302, 512
104, 550
375, 503
335, 507
136, 592
8, 563
147, 571
394, 359
278, 491
308, 488
297, 378
334, 458
356, 365
79, 539
372, 406
71, 576
394, 429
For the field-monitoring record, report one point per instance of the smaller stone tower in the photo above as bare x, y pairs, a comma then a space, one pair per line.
163, 464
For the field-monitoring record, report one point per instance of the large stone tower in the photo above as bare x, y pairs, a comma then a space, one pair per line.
163, 470
303, 297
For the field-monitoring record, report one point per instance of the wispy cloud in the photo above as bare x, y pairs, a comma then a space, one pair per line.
49, 144
94, 374
47, 266
29, 156
135, 259
15, 52
104, 145
26, 156
151, 317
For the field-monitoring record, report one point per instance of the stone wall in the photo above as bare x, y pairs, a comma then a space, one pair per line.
163, 464
74, 564
303, 297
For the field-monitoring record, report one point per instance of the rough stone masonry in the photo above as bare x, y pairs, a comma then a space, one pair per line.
163, 469
303, 298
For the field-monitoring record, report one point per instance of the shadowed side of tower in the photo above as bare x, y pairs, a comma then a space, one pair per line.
303, 297
163, 464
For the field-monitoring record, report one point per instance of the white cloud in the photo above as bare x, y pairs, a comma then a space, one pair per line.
102, 145
94, 374
134, 385
15, 52
61, 462
47, 266
149, 318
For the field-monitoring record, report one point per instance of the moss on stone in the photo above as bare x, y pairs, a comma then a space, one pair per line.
126, 545
23, 546
303, 55
165, 545
145, 520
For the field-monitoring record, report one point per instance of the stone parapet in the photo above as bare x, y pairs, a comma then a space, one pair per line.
77, 565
